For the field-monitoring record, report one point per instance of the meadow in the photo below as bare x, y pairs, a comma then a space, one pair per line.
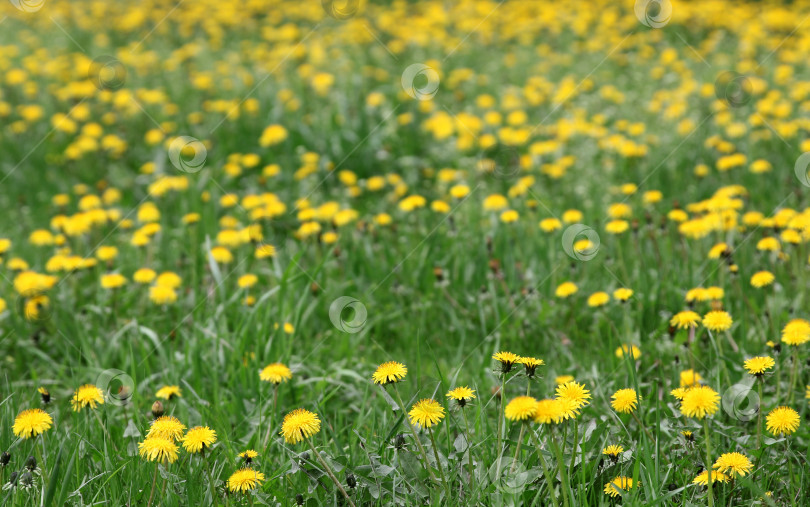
304, 252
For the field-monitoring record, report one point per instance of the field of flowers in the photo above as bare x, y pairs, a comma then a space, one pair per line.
391, 252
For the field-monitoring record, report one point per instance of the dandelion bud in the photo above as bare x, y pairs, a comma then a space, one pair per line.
157, 409
299, 499
5, 458
351, 481
399, 441
31, 463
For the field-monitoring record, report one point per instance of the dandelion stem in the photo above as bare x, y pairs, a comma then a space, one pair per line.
574, 449
641, 425
500, 428
517, 449
708, 460
563, 475
415, 435
154, 481
271, 418
329, 472
469, 450
759, 415
544, 466
439, 462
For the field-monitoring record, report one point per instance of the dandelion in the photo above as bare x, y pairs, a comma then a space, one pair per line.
507, 360
575, 393
562, 379
521, 408
162, 295
169, 392
566, 289
199, 438
690, 378
530, 364
389, 373
85, 396
613, 451
299, 424
426, 413
762, 279
598, 299
618, 485
548, 411
759, 365
32, 422
699, 402
166, 426
733, 463
275, 373
623, 294
244, 480
462, 395
703, 477
627, 348
796, 332
782, 421
248, 455
159, 449
717, 320
685, 319
624, 401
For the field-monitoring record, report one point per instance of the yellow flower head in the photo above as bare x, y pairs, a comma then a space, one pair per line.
628, 349
598, 299
87, 395
244, 480
566, 289
623, 294
562, 379
703, 477
690, 378
548, 411
426, 413
507, 359
613, 451
759, 365
157, 448
275, 373
166, 426
300, 424
461, 394
576, 393
733, 463
389, 373
521, 408
796, 332
762, 279
199, 438
531, 364
624, 401
717, 320
699, 402
685, 319
782, 421
32, 422
617, 486
169, 392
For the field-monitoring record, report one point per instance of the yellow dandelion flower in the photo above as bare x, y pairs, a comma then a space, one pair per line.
624, 401
762, 279
169, 392
618, 485
32, 422
566, 289
389, 373
690, 378
733, 463
275, 373
300, 424
628, 349
426, 413
717, 320
548, 411
87, 395
462, 395
156, 448
782, 421
759, 365
166, 426
199, 438
507, 360
521, 408
685, 319
613, 451
244, 480
576, 393
699, 402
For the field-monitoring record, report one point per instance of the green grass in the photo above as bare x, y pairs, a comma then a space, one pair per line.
497, 286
